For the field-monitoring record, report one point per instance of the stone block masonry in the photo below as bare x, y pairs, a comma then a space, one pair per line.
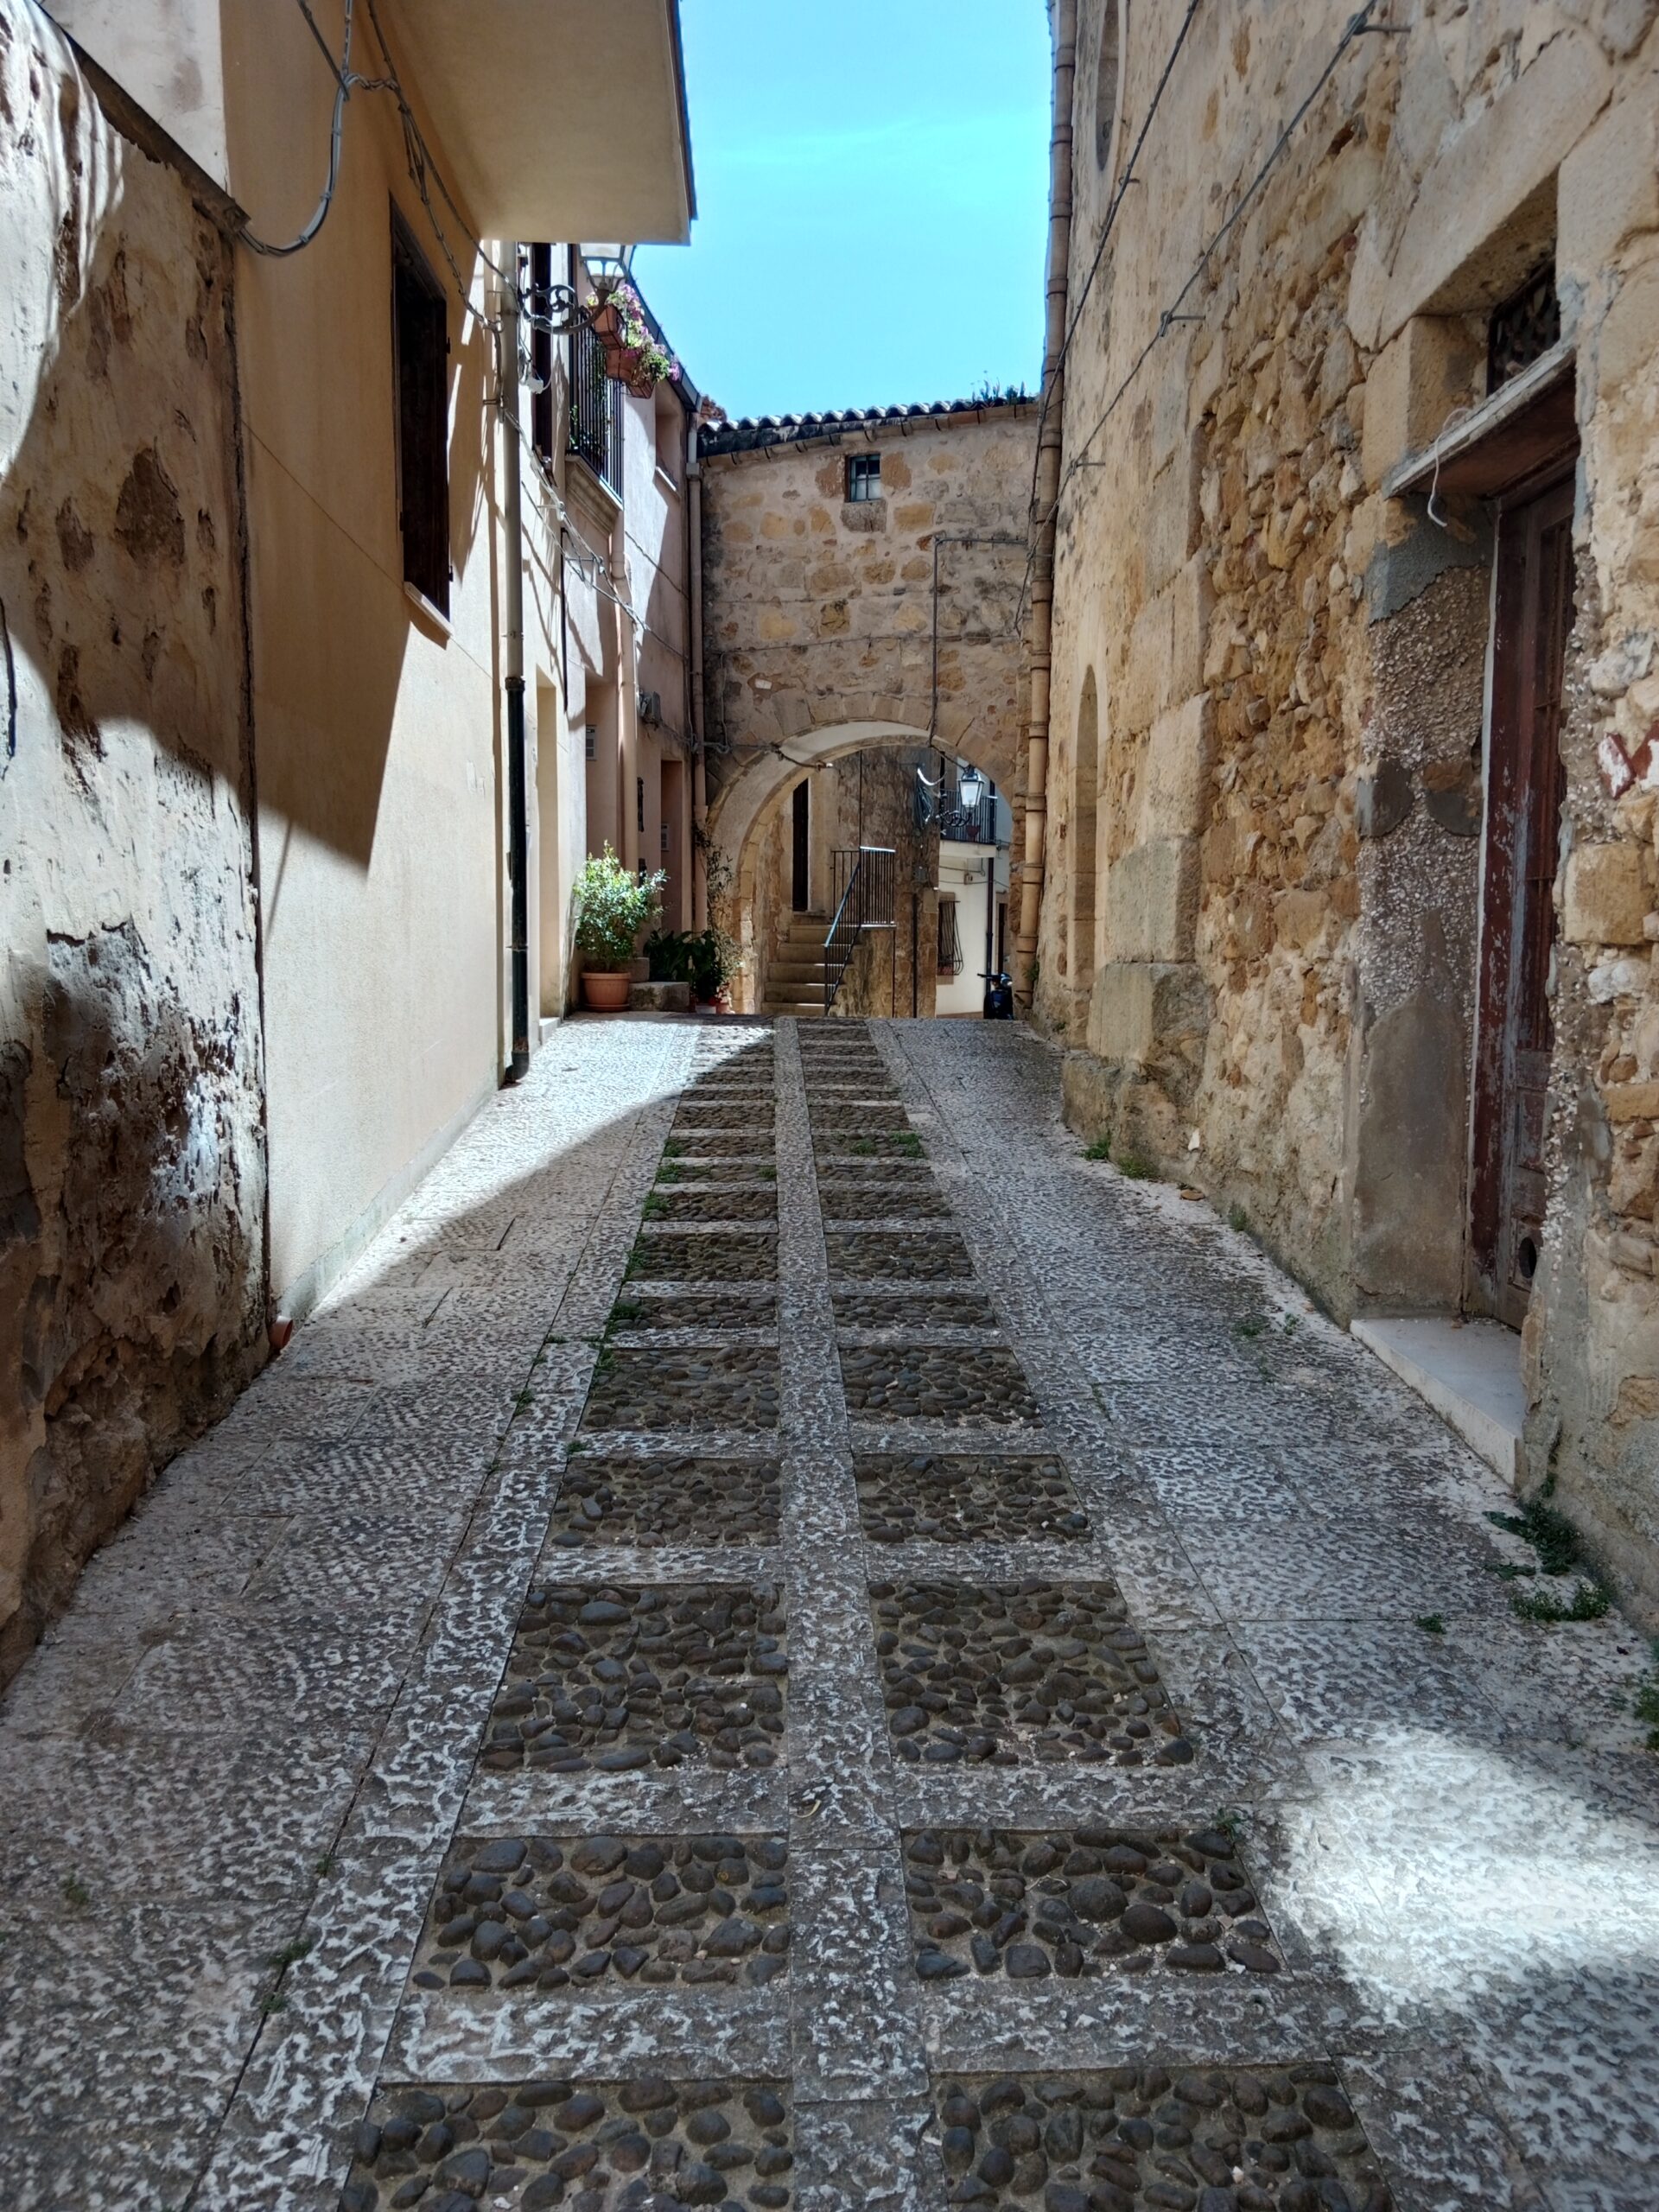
443, 1795
1276, 830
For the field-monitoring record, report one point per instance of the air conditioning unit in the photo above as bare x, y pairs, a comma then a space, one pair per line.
650, 707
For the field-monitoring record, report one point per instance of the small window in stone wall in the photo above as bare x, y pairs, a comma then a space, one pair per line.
1523, 328
864, 476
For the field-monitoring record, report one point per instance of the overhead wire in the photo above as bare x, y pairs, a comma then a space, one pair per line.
346, 81
1357, 24
1114, 203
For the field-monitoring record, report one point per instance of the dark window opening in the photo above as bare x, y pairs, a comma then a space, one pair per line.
421, 343
639, 802
1523, 328
541, 352
864, 476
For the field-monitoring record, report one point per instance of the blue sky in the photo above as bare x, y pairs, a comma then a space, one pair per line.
873, 181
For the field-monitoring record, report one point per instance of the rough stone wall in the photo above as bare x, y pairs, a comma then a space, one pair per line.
818, 612
132, 1154
1265, 960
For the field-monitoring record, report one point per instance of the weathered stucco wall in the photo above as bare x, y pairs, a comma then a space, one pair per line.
1262, 907
131, 1153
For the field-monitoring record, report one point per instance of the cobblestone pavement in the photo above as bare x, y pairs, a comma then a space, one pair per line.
786, 1641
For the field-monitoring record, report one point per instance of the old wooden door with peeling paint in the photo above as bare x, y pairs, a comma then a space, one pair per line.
1532, 615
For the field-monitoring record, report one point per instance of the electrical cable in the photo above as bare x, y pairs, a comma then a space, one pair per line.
1116, 202
1356, 25
344, 82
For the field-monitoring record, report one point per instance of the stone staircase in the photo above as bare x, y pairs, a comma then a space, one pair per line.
795, 978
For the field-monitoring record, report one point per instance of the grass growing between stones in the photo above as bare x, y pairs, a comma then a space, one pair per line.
1588, 1603
1555, 1540
1432, 1623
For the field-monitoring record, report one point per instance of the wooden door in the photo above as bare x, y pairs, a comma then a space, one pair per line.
1532, 615
800, 893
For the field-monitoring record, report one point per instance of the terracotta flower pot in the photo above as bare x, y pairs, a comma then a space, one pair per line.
607, 320
603, 993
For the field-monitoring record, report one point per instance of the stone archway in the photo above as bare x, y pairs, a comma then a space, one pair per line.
747, 806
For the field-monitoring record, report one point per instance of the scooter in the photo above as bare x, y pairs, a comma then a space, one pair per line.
999, 996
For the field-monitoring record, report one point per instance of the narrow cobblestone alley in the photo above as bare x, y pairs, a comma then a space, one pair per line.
788, 1640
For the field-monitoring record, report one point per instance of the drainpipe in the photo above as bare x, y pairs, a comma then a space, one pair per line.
517, 796
699, 775
1039, 633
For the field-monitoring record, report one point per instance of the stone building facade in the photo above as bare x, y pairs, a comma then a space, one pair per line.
1349, 902
862, 576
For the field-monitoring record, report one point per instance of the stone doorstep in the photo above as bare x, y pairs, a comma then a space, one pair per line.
1469, 1372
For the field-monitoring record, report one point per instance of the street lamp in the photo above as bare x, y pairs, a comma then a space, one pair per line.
971, 786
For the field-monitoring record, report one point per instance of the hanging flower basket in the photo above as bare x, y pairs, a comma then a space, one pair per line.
632, 354
605, 317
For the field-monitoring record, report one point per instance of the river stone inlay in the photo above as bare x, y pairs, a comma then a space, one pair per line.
730, 1309
1154, 2138
728, 1386
707, 1255
903, 1311
672, 1206
965, 1497
843, 1144
867, 1201
722, 1144
674, 1169
1099, 1900
865, 1117
590, 2146
879, 1255
682, 1499
513, 1912
1018, 1672
610, 1677
953, 1383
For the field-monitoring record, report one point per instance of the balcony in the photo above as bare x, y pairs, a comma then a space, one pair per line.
595, 412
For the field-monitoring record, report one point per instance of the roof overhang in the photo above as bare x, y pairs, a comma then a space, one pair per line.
1523, 426
561, 118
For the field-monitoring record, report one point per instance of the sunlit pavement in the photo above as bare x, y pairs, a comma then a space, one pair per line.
785, 1640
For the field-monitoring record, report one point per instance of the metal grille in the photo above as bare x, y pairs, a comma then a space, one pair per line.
595, 412
1523, 328
949, 937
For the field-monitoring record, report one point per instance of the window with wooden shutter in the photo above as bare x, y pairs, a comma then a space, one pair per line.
420, 339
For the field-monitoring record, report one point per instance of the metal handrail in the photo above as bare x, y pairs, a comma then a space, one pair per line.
866, 903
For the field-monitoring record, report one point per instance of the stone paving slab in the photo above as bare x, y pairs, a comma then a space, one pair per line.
239, 1780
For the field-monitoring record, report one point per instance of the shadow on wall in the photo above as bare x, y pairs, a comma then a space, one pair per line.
129, 1257
131, 1154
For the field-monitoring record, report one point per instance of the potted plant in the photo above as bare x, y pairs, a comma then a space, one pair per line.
633, 354
714, 960
613, 907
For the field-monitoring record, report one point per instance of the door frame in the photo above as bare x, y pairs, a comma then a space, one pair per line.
1487, 1289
